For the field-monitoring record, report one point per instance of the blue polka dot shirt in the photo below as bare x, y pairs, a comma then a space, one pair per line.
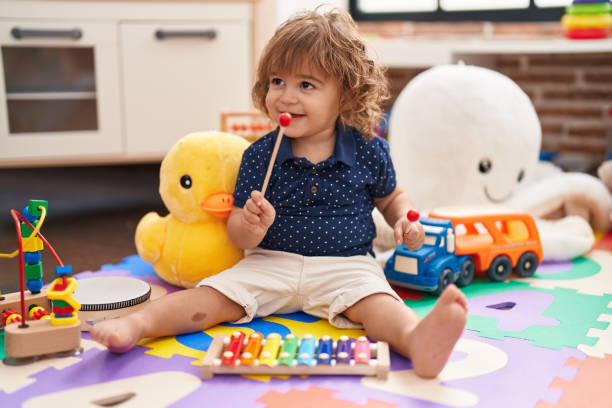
322, 209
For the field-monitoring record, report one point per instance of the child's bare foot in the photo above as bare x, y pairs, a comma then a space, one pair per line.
119, 335
433, 339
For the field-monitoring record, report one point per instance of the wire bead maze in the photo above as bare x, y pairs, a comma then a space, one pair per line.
38, 333
274, 355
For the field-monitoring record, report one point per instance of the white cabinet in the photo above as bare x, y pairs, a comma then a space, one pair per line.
102, 82
60, 89
178, 76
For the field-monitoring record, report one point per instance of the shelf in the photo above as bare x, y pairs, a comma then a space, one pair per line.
126, 10
29, 96
404, 53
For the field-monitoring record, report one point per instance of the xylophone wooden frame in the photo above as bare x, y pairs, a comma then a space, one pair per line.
379, 364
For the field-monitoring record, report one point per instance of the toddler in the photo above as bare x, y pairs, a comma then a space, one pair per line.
308, 241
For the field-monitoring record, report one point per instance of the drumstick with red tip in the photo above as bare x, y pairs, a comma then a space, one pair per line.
284, 121
413, 215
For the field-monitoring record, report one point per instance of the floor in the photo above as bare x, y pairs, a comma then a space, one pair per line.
540, 342
93, 213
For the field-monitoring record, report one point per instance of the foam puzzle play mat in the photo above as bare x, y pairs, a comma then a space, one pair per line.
543, 341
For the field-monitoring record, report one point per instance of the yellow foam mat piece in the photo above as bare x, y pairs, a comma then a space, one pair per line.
166, 347
318, 329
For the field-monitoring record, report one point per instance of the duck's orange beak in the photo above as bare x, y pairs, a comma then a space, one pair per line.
218, 204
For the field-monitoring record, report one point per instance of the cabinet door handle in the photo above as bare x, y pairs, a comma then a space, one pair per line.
20, 33
207, 34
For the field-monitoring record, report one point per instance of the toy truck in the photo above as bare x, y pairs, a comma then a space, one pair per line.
489, 241
435, 265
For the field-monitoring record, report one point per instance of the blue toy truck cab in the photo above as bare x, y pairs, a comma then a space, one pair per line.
435, 265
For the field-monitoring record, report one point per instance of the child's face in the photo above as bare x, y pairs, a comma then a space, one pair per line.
311, 97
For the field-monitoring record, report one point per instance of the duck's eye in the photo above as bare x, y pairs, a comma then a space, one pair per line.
186, 181
485, 166
521, 175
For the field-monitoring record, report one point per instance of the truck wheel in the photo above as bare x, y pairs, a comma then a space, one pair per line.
466, 274
500, 268
445, 279
526, 265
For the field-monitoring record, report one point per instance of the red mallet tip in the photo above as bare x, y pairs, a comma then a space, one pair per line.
412, 215
285, 119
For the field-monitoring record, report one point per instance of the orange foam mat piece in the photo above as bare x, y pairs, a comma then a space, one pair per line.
314, 397
590, 386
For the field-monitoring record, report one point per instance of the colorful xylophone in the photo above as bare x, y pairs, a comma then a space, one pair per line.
306, 356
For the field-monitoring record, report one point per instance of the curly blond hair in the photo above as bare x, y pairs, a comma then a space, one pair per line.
329, 42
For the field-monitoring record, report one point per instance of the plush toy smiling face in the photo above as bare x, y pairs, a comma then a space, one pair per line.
463, 135
198, 176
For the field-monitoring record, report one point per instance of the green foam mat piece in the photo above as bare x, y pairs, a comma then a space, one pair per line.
581, 268
576, 313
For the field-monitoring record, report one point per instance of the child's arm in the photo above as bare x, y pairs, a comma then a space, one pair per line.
247, 226
394, 208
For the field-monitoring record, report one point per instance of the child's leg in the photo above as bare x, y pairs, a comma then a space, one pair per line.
428, 342
186, 311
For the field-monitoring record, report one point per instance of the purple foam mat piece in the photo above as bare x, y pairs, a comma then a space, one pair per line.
526, 311
525, 379
551, 268
96, 367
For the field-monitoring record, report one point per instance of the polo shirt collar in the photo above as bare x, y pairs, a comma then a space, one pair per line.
344, 151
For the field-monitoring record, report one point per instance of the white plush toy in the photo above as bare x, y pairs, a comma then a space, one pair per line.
469, 135
605, 174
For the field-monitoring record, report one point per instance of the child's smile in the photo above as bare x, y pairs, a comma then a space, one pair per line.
311, 98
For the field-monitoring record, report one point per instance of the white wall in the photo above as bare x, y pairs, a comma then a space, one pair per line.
285, 8
269, 14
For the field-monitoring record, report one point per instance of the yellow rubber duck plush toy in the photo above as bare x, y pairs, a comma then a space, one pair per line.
197, 179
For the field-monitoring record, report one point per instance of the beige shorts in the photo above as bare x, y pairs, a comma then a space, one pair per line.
267, 282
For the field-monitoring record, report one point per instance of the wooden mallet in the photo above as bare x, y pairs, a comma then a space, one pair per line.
284, 121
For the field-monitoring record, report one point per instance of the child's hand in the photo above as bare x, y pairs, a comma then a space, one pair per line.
411, 234
258, 213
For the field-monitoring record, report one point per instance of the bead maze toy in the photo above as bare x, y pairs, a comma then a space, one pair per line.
38, 333
292, 356
251, 124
